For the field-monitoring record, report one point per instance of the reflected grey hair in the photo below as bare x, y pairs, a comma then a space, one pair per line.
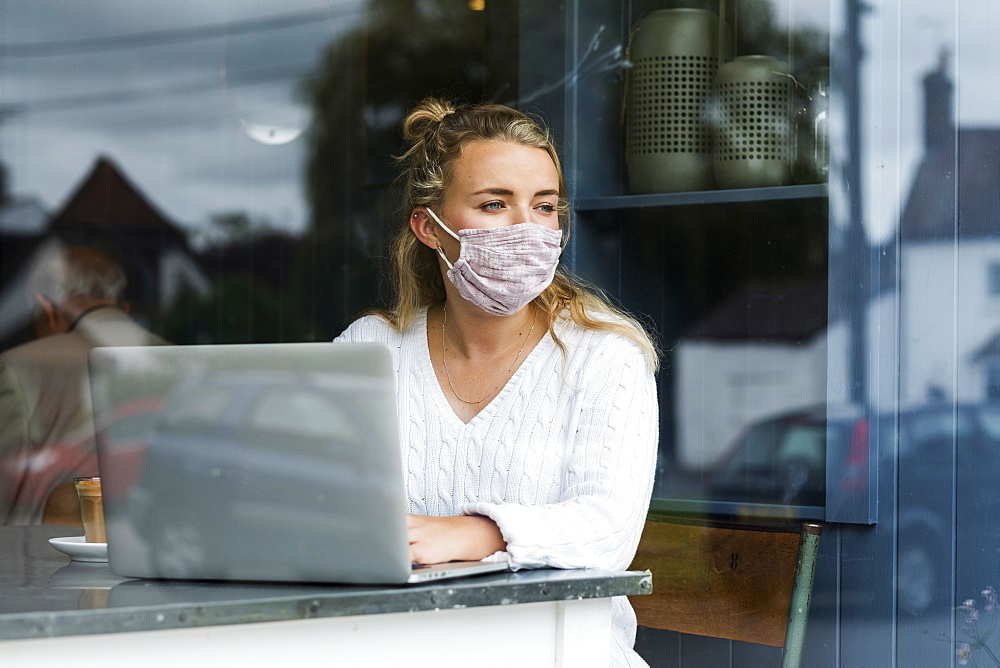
64, 273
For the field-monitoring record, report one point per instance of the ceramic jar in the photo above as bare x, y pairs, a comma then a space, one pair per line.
752, 125
674, 61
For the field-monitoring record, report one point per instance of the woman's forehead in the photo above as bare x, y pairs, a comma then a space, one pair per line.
496, 164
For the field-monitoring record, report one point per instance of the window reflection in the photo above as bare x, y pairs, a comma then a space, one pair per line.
239, 156
234, 158
738, 284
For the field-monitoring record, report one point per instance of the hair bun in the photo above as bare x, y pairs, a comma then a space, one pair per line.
443, 114
425, 117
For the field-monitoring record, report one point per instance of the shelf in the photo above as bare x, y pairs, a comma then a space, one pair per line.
704, 508
702, 197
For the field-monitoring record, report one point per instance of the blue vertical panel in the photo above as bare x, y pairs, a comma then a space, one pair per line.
658, 647
930, 368
702, 651
976, 328
851, 464
750, 655
821, 648
925, 551
863, 611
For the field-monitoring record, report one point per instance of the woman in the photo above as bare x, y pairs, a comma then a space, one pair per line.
527, 404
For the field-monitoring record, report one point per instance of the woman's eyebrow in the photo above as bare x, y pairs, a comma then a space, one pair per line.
510, 193
494, 191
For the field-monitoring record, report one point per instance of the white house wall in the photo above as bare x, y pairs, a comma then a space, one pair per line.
946, 298
722, 387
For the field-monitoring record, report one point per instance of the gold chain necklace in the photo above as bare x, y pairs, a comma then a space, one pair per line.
444, 359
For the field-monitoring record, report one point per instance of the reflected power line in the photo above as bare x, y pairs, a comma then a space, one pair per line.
72, 103
339, 9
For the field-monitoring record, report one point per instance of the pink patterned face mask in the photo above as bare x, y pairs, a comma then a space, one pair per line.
500, 270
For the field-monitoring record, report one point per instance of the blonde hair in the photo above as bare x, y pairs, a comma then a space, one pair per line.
436, 131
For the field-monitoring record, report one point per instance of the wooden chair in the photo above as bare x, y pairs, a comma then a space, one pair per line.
727, 580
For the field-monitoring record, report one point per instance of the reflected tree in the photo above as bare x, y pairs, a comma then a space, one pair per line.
406, 50
248, 263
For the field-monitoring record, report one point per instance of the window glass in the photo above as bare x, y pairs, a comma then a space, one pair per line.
829, 331
235, 158
717, 231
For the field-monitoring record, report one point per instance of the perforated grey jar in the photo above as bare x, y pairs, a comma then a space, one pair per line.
752, 134
674, 61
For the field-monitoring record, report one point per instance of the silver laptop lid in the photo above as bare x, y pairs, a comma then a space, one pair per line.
251, 462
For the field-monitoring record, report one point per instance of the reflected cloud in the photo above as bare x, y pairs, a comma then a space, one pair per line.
114, 77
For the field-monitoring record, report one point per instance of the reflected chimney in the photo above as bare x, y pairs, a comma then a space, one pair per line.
939, 114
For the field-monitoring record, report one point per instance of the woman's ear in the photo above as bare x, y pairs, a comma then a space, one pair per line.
424, 227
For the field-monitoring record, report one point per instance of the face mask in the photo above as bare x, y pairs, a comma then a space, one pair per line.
500, 270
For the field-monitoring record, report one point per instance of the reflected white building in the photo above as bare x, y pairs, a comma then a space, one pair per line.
769, 349
949, 270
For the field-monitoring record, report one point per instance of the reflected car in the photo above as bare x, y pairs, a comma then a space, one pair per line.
946, 503
946, 471
782, 459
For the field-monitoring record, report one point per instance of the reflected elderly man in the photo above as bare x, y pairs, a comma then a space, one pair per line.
46, 419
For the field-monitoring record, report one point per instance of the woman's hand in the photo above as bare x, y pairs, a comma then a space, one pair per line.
436, 540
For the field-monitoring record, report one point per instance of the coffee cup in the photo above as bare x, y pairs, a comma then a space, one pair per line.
91, 508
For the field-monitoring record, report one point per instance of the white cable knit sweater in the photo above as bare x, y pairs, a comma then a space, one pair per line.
562, 459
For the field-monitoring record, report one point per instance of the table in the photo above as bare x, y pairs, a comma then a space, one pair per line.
51, 608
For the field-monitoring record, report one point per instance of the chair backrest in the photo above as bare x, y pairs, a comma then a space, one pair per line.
727, 580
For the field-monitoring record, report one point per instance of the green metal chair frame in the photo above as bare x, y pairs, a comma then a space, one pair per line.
734, 580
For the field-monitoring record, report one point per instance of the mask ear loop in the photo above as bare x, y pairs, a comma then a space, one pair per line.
440, 250
443, 226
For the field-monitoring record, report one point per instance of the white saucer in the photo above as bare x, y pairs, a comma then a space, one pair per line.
79, 549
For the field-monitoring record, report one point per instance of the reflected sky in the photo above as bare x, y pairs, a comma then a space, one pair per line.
923, 29
198, 102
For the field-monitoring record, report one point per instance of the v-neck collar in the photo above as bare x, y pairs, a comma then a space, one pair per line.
448, 413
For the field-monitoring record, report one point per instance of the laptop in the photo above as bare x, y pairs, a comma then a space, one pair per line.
255, 462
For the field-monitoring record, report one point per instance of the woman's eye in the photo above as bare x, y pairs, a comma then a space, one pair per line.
492, 206
547, 208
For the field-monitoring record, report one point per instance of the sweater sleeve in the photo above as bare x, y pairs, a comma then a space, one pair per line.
367, 328
607, 481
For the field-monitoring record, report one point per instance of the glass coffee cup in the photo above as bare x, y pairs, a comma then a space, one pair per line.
91, 508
